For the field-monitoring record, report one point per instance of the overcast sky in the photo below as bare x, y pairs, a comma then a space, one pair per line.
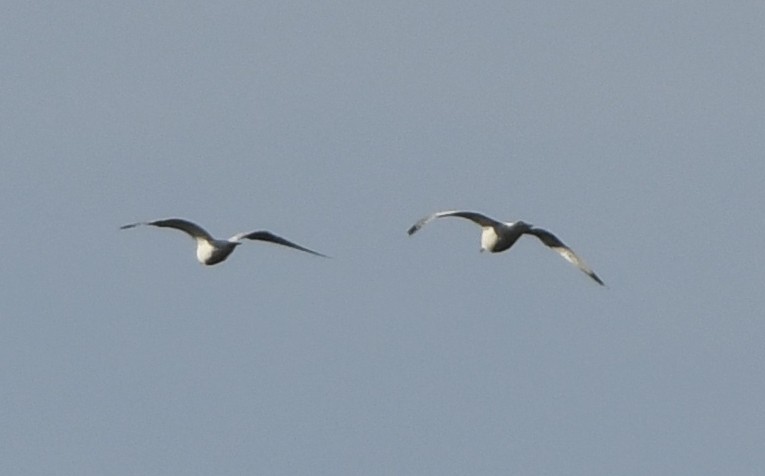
632, 130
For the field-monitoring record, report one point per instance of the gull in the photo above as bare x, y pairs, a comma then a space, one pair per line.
212, 251
499, 236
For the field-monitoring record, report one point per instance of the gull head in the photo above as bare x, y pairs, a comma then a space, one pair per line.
522, 225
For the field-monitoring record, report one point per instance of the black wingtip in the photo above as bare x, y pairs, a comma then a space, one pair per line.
597, 279
411, 230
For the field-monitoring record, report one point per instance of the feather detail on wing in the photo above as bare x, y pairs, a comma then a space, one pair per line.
270, 237
481, 220
192, 229
567, 253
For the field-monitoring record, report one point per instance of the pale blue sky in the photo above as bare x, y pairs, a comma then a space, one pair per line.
633, 130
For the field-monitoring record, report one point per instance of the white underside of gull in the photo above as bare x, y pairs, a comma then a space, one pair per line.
489, 238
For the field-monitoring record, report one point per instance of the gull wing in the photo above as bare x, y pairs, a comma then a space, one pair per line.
270, 237
194, 230
477, 218
559, 247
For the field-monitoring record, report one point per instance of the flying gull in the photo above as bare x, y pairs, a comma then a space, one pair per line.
212, 251
498, 236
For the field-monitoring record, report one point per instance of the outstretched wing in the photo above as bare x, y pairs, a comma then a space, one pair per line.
558, 246
481, 220
194, 230
270, 237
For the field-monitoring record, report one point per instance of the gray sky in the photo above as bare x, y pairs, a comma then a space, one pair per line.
633, 130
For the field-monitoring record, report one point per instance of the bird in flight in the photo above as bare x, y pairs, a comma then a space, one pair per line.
499, 236
212, 251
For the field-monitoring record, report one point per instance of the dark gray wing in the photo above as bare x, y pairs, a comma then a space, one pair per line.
194, 230
558, 246
270, 237
481, 220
